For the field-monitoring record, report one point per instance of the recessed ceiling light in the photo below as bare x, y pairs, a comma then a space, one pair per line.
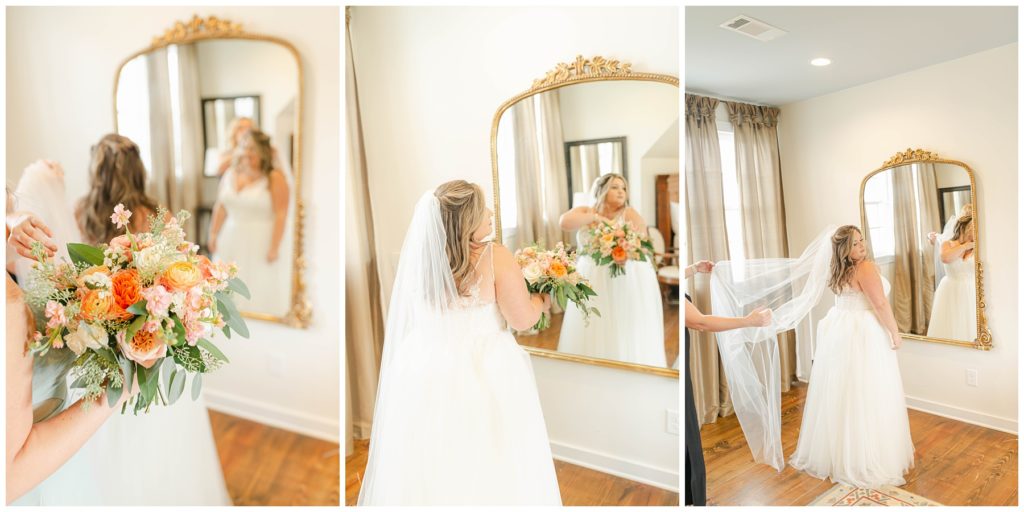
821, 61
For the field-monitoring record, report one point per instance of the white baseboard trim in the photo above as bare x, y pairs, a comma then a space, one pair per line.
274, 416
616, 466
965, 415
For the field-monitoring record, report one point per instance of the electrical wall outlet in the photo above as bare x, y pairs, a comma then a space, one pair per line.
972, 378
672, 421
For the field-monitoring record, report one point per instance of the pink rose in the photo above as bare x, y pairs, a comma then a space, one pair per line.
145, 348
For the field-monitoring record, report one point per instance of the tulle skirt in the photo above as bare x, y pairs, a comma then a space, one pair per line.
954, 309
630, 328
165, 457
855, 428
461, 424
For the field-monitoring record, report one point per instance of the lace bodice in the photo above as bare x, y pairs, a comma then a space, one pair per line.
857, 300
251, 204
960, 268
484, 277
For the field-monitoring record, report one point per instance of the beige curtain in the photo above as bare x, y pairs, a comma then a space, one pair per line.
916, 212
759, 172
161, 128
528, 191
364, 319
552, 168
706, 235
192, 150
541, 182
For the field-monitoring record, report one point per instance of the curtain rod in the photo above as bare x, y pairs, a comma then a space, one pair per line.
723, 98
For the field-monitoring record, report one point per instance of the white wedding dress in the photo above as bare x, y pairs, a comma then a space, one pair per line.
462, 422
245, 239
855, 428
631, 326
166, 457
954, 308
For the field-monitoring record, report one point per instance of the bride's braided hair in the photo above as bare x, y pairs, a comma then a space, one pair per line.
116, 175
842, 267
462, 211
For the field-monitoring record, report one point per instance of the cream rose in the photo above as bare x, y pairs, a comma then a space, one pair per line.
532, 272
85, 337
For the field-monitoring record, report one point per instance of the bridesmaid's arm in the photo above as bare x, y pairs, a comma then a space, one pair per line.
35, 451
708, 323
520, 308
279, 201
870, 282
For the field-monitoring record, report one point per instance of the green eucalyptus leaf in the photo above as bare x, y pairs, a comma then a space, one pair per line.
197, 386
213, 350
83, 253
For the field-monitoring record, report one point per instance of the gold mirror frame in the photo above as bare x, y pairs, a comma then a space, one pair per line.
581, 70
984, 337
212, 27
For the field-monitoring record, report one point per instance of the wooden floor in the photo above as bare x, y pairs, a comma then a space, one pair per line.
579, 486
955, 464
268, 466
548, 338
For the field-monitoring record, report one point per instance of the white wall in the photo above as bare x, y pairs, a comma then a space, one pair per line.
430, 81
236, 68
639, 111
964, 109
60, 77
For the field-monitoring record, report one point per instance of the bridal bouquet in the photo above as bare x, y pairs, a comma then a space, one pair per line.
141, 306
614, 244
554, 272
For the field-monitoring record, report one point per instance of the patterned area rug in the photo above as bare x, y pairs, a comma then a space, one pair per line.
888, 496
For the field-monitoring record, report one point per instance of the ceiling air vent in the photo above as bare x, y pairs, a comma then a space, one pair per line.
753, 28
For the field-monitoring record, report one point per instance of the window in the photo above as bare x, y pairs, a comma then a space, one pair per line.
878, 206
731, 193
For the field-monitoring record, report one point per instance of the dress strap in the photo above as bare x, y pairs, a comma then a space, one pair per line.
481, 258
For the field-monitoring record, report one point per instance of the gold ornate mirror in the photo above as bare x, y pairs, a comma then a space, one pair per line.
196, 101
549, 146
920, 218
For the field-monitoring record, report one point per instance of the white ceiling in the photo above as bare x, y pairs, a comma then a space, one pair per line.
864, 43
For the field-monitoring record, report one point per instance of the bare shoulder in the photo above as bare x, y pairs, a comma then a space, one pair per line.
500, 252
277, 177
582, 209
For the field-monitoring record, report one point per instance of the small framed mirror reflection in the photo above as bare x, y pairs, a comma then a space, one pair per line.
921, 223
592, 136
585, 160
216, 113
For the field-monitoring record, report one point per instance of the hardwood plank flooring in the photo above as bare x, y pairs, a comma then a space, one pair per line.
956, 463
269, 466
578, 485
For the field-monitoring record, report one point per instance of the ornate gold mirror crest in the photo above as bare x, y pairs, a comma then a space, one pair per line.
210, 28
983, 338
580, 70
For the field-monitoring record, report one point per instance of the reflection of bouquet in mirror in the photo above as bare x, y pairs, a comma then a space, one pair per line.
554, 271
614, 243
142, 306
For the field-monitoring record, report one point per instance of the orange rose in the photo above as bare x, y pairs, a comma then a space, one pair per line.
619, 255
204, 266
98, 305
126, 287
181, 276
145, 348
557, 269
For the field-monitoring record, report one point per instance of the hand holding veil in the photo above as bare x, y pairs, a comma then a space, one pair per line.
750, 356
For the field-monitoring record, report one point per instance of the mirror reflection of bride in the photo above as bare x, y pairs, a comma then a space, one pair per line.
249, 221
630, 326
